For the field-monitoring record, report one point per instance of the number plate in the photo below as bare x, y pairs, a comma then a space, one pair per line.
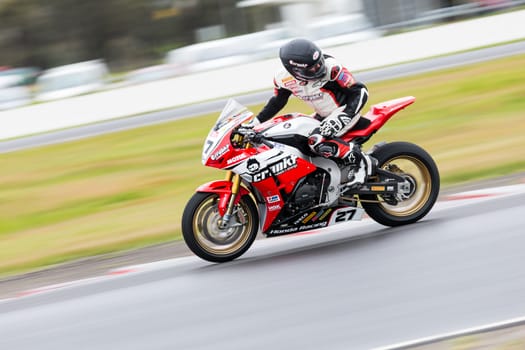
346, 214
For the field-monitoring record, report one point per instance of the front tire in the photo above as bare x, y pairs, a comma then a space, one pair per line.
204, 237
419, 169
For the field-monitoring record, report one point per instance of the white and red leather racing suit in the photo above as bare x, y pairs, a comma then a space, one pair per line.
337, 88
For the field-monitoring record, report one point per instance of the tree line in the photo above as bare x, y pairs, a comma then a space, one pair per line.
126, 33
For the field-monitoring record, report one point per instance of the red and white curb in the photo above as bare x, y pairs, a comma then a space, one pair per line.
111, 274
487, 193
64, 285
449, 201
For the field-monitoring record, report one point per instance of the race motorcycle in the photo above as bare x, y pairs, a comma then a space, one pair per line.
276, 184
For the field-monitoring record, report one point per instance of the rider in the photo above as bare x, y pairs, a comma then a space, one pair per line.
324, 84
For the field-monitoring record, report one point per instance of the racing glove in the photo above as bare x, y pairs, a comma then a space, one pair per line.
337, 123
251, 124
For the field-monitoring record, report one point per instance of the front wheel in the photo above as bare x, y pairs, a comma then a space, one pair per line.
204, 236
419, 170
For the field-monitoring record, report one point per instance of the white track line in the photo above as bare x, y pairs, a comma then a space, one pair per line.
445, 336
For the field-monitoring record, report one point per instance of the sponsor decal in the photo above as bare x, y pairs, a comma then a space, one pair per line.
314, 97
312, 226
284, 230
253, 165
301, 218
287, 125
314, 219
378, 188
274, 207
319, 83
285, 164
328, 211
312, 214
220, 152
345, 78
273, 199
290, 84
316, 55
297, 228
287, 79
236, 158
297, 64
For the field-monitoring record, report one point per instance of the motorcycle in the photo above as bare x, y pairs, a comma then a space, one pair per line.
276, 184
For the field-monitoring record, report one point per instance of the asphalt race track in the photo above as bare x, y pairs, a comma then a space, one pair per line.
355, 286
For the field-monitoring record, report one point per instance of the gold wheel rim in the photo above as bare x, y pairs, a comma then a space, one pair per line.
418, 175
211, 237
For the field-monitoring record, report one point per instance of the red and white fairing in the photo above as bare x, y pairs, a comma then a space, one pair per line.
273, 171
276, 185
218, 150
269, 170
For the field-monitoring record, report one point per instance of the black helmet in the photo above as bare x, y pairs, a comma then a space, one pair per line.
303, 59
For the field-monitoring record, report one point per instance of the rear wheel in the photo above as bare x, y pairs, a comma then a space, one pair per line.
421, 174
204, 236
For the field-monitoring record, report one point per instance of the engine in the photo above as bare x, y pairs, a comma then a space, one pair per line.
308, 193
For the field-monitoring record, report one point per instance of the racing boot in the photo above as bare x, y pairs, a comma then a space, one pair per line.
360, 166
358, 163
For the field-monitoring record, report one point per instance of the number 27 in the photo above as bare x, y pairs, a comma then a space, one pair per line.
346, 215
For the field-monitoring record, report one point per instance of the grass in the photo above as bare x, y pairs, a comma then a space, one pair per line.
128, 189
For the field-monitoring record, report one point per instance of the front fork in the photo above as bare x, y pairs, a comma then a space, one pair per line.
236, 184
232, 199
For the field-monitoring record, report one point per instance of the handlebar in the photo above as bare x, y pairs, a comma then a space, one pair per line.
251, 135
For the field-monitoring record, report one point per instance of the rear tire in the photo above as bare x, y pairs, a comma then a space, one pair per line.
204, 237
418, 167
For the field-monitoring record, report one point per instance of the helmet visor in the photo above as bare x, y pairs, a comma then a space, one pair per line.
315, 71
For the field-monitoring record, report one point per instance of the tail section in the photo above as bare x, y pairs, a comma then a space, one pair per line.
389, 108
378, 115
